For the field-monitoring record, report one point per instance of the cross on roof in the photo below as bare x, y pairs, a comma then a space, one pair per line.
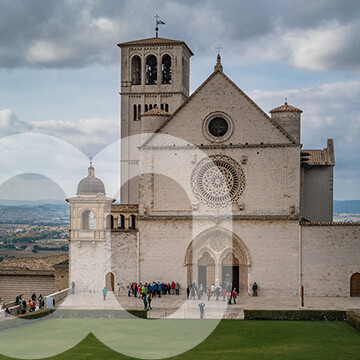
218, 48
157, 23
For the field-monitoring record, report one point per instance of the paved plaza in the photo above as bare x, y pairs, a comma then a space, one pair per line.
173, 306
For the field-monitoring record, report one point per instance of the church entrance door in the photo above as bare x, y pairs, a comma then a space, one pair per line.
202, 275
355, 285
230, 271
206, 270
230, 275
109, 281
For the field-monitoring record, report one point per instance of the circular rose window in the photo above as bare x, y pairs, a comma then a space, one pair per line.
218, 180
218, 127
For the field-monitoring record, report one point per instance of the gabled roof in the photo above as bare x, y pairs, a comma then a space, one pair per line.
191, 97
154, 41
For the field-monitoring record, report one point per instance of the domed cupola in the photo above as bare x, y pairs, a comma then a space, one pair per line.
289, 118
91, 185
151, 120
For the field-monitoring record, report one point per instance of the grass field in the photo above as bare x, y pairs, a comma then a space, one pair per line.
234, 339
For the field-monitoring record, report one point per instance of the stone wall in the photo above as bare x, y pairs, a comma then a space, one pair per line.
330, 255
317, 193
61, 277
90, 261
12, 285
272, 247
272, 180
124, 258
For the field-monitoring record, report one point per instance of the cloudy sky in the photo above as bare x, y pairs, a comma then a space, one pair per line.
59, 75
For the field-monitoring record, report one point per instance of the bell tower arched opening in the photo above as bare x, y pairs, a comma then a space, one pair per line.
166, 69
136, 70
151, 70
87, 220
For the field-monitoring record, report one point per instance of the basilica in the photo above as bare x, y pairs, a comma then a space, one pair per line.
213, 190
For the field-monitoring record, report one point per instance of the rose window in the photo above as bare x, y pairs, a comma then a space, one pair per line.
218, 180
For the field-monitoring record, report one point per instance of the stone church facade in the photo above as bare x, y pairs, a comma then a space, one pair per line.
213, 190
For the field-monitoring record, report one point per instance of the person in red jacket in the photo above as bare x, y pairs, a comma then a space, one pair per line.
234, 295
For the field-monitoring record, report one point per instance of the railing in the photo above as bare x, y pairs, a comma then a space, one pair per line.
59, 295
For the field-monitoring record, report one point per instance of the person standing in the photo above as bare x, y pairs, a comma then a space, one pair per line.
145, 301
188, 292
201, 308
104, 291
234, 296
149, 299
73, 287
255, 289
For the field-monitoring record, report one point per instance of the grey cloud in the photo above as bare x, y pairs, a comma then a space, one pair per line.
66, 33
10, 124
309, 13
88, 135
330, 111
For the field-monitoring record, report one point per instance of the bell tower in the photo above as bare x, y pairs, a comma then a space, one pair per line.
155, 73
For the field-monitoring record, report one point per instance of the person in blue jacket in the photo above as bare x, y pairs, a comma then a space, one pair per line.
104, 291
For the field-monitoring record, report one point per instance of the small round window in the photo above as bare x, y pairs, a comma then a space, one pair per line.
218, 127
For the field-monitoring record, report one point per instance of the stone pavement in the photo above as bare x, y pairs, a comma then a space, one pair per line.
177, 307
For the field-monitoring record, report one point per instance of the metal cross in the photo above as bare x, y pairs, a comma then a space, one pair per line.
218, 48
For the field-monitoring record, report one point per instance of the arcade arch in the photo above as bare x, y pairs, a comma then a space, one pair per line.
218, 257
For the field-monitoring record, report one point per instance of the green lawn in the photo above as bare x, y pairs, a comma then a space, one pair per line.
234, 339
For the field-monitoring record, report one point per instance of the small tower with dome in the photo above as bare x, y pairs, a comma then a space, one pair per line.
289, 118
90, 237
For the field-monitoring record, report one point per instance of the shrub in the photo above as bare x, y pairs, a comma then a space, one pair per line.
353, 319
295, 315
36, 315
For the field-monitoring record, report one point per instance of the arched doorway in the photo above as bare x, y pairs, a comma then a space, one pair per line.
110, 281
355, 285
218, 256
230, 271
206, 270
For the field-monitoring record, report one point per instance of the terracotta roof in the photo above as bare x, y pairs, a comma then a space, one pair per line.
154, 41
316, 157
285, 107
156, 112
32, 264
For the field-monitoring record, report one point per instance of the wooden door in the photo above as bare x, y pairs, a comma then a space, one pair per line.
355, 285
202, 275
210, 275
110, 282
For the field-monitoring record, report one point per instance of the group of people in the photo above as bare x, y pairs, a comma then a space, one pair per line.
154, 289
31, 305
227, 292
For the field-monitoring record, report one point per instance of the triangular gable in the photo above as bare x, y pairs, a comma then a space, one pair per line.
286, 138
